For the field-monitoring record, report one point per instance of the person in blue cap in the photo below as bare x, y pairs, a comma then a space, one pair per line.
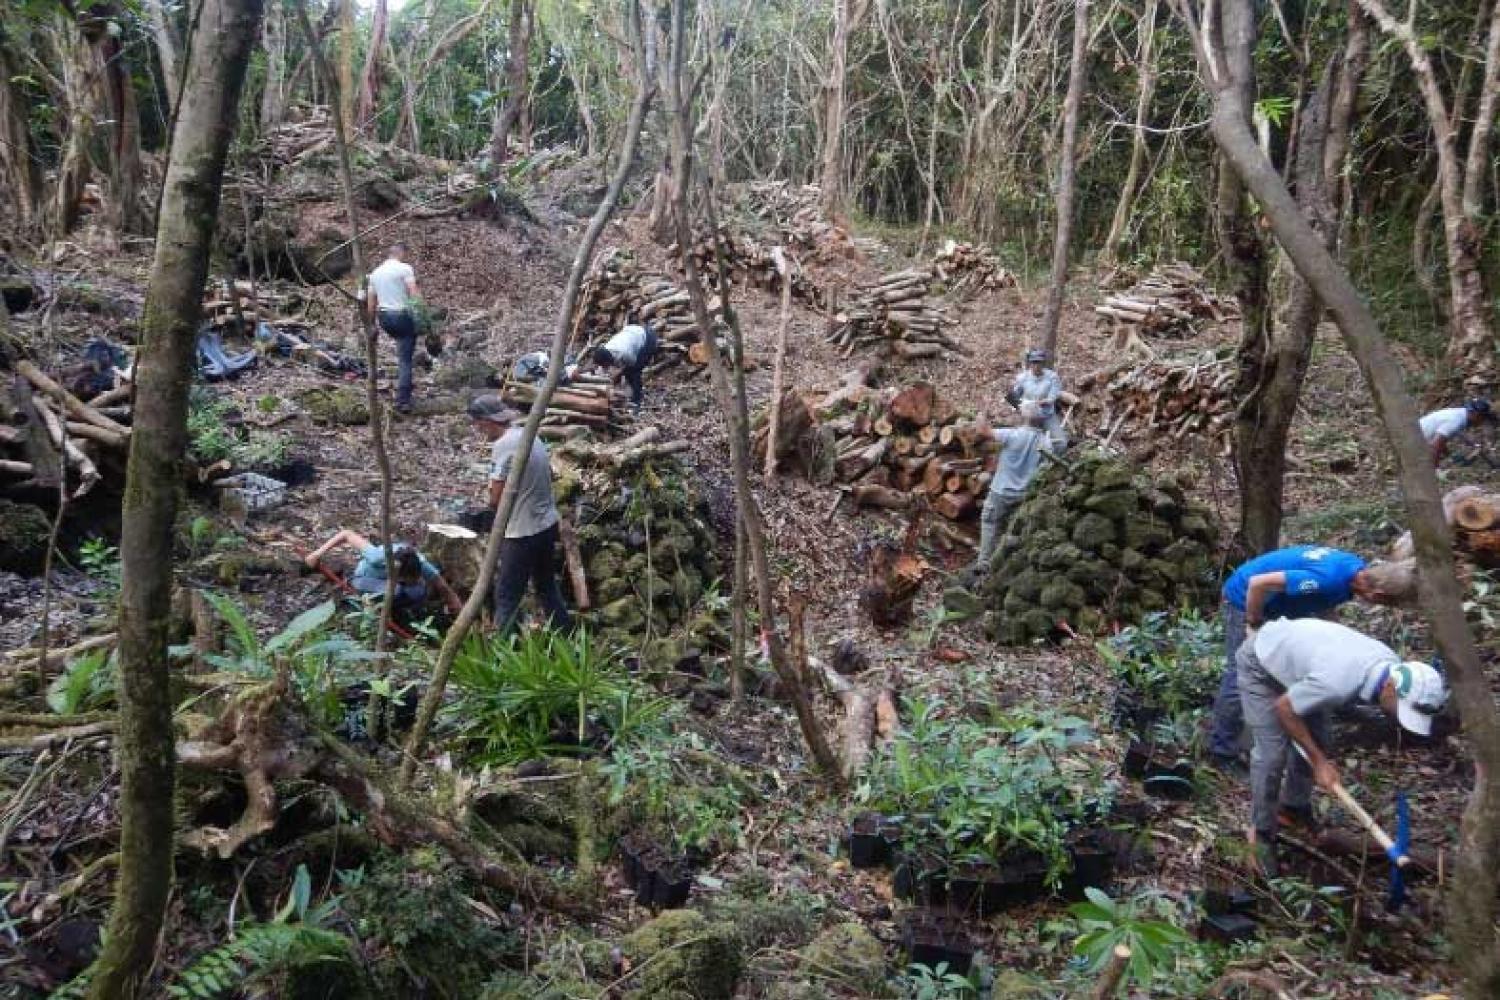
1302, 581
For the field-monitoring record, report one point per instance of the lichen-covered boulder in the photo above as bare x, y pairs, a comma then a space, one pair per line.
24, 533
850, 956
682, 954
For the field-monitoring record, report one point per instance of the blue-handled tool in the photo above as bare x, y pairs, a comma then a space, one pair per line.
1395, 847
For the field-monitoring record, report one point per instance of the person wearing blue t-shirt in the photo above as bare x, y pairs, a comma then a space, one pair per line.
414, 573
1302, 581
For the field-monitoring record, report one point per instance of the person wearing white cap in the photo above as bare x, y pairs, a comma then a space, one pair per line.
1292, 674
1020, 455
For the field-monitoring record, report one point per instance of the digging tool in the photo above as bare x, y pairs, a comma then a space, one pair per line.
1395, 847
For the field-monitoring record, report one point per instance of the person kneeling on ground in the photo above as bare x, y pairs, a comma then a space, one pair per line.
528, 554
630, 350
414, 574
1020, 454
1300, 581
1441, 426
1293, 673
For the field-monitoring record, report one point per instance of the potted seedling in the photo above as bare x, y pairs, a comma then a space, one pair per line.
932, 939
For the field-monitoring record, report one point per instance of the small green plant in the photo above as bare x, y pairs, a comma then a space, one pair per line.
1105, 923
212, 438
1169, 662
86, 684
100, 560
677, 791
921, 982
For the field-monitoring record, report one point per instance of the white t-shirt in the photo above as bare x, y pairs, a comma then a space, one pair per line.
388, 284
1444, 424
1321, 664
627, 345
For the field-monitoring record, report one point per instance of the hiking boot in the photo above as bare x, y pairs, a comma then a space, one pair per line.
404, 409
1267, 861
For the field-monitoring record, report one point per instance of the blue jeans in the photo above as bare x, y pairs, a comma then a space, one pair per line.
408, 596
1229, 713
402, 327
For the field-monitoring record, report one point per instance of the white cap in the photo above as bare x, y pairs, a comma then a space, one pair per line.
1420, 694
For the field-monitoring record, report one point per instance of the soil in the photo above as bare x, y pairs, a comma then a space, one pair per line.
501, 285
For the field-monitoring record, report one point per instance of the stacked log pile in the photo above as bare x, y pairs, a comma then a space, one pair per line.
618, 291
969, 270
646, 545
892, 451
795, 212
292, 140
586, 404
50, 438
752, 264
243, 305
1096, 544
1160, 401
896, 315
1168, 302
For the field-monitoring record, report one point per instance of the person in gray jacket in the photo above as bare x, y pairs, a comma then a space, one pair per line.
1041, 385
1293, 673
1020, 454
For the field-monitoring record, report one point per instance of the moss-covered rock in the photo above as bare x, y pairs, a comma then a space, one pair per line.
1094, 531
335, 404
1062, 594
24, 533
849, 956
682, 954
1113, 504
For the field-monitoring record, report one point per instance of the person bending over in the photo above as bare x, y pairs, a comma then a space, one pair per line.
628, 353
415, 576
1441, 426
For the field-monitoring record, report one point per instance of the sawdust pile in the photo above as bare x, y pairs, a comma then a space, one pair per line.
1094, 545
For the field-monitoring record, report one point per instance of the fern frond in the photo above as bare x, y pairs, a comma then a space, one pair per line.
257, 951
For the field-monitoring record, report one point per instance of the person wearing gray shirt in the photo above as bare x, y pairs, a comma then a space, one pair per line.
1292, 674
528, 553
1020, 454
1041, 385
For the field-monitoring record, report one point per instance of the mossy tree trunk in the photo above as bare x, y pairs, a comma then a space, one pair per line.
1067, 179
208, 112
1474, 900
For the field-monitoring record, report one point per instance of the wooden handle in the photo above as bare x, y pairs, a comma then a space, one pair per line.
1368, 822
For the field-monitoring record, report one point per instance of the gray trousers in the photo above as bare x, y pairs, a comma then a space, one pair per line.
997, 510
1229, 717
1279, 776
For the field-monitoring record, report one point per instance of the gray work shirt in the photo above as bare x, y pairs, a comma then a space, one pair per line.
1322, 664
535, 510
1041, 389
1020, 453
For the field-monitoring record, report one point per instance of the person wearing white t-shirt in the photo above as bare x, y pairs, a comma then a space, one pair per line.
392, 289
1441, 426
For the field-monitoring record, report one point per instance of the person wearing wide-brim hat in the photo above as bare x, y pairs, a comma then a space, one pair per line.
528, 553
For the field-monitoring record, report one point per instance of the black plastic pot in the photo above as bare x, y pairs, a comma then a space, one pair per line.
867, 848
1162, 773
630, 859
1227, 928
645, 885
921, 877
671, 886
1220, 900
1093, 854
931, 941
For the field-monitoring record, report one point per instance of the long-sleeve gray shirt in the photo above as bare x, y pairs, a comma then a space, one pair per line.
1041, 389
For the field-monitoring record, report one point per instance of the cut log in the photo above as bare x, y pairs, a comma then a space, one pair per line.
913, 352
457, 551
74, 406
1478, 513
913, 405
574, 560
871, 495
954, 506
884, 427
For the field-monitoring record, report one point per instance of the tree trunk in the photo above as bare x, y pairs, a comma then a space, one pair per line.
206, 118
347, 44
1145, 61
129, 215
645, 43
732, 402
19, 170
78, 100
1473, 896
273, 95
1471, 343
1067, 179
518, 44
165, 37
846, 20
369, 81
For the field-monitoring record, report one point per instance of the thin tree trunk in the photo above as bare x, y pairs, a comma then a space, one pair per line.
1145, 61
1067, 179
76, 168
1473, 897
206, 118
369, 80
274, 40
518, 44
732, 402
165, 37
344, 100
1472, 339
1478, 162
645, 43
19, 167
372, 362
846, 20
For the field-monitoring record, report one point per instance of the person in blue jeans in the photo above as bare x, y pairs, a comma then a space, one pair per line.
1302, 581
392, 291
416, 577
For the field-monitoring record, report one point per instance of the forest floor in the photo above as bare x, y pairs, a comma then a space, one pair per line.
501, 284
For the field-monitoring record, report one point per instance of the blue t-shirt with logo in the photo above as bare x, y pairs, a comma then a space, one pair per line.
1317, 578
